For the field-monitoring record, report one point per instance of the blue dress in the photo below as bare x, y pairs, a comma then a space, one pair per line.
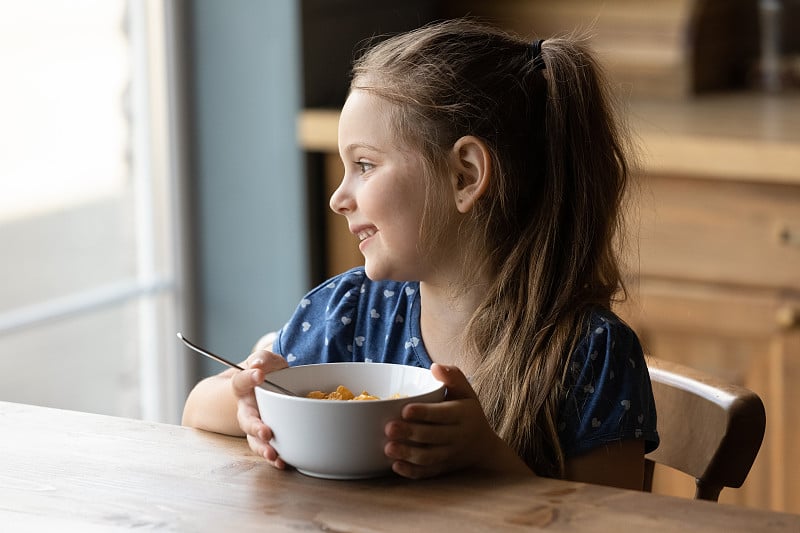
352, 318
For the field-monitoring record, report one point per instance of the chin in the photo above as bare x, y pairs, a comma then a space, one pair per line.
374, 273
384, 272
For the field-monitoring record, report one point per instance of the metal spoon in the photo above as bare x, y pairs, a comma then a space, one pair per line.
224, 361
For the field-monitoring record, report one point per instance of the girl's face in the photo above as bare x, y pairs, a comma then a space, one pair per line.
382, 192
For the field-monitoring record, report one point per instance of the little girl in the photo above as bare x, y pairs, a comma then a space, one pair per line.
483, 177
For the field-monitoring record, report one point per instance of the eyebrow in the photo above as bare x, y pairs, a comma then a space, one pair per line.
353, 146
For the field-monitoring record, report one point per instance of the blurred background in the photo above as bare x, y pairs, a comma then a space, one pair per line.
165, 166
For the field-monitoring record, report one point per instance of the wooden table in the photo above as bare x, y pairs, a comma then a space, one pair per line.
70, 471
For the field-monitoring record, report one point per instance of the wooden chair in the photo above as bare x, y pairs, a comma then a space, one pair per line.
709, 429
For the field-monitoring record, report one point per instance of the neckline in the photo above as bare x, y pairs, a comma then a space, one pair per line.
414, 327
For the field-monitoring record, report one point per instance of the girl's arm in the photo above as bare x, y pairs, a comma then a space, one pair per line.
226, 403
431, 439
212, 405
619, 464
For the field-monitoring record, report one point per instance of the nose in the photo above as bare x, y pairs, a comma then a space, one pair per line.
342, 200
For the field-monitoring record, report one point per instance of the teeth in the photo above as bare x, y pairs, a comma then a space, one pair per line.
365, 234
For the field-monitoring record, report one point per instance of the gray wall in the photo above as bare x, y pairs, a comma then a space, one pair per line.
247, 176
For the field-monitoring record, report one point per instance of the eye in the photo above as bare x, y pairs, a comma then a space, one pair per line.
364, 166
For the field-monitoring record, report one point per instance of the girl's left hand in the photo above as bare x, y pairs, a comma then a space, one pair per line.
434, 438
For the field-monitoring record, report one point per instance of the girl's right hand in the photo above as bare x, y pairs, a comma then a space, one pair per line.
244, 383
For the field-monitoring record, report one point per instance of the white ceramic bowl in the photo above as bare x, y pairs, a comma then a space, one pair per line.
341, 439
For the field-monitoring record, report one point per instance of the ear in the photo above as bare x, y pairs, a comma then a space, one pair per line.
471, 167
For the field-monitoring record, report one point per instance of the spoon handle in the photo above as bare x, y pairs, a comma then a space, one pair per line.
224, 361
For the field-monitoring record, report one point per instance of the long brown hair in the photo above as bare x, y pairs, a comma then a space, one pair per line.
545, 229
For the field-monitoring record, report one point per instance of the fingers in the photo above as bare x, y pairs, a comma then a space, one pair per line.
266, 360
454, 380
258, 433
429, 423
257, 365
433, 413
432, 438
262, 448
458, 388
250, 421
258, 436
418, 466
418, 435
246, 381
429, 441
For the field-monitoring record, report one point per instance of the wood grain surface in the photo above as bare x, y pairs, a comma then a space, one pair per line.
75, 471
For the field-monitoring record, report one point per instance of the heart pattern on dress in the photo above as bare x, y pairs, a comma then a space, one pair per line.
413, 341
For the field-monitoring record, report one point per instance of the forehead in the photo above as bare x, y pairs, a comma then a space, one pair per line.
366, 120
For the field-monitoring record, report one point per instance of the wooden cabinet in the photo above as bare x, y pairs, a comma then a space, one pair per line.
718, 288
714, 259
714, 264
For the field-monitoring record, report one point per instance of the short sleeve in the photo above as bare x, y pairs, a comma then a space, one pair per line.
321, 330
609, 397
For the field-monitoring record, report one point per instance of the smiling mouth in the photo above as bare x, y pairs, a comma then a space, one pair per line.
365, 234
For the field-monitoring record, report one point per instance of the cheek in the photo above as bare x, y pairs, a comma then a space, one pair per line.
372, 202
406, 204
389, 199
399, 219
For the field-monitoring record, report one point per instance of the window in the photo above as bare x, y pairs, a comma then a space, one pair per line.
89, 210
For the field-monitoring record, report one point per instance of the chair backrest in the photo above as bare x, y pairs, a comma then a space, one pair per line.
709, 429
